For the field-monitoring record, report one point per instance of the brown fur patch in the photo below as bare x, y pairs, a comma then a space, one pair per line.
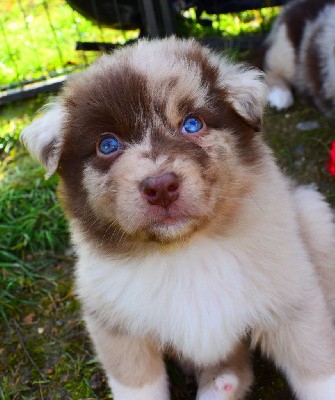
298, 15
46, 153
258, 60
177, 146
209, 73
111, 100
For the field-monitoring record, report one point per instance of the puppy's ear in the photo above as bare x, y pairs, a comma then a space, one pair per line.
247, 91
43, 137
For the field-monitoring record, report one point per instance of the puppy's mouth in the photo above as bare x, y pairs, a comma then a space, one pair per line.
170, 227
170, 221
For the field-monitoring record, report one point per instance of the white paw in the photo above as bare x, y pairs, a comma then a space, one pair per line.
223, 388
280, 98
157, 390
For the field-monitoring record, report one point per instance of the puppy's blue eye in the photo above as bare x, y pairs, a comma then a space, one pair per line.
192, 125
109, 145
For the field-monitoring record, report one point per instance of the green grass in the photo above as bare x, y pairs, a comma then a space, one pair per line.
30, 209
228, 25
31, 224
37, 38
13, 119
302, 155
39, 319
31, 221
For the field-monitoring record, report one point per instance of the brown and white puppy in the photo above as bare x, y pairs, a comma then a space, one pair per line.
300, 54
188, 237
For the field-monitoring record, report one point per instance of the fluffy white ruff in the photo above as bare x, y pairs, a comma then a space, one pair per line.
280, 98
314, 390
157, 390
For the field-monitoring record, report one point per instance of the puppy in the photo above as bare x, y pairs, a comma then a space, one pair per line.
189, 239
300, 54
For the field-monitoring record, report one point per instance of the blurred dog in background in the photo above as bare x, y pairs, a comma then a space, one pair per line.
299, 53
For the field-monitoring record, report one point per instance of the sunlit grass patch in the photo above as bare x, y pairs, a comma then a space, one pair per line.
37, 38
31, 219
233, 24
13, 118
31, 223
30, 216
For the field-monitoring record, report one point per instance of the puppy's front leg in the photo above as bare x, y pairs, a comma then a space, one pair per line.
134, 367
303, 345
228, 380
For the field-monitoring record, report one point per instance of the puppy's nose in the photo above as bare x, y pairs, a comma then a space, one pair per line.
162, 189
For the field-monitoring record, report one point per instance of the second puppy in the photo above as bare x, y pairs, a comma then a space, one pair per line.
300, 54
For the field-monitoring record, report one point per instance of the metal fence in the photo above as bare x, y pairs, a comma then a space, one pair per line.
43, 41
37, 45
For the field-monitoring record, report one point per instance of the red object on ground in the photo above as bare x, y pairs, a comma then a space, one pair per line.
331, 161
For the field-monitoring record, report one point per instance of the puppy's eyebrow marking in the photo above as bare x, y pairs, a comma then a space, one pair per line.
209, 72
116, 100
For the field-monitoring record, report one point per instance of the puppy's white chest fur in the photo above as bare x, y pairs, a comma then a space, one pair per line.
199, 299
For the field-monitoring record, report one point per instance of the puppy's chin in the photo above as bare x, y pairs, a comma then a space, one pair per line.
171, 228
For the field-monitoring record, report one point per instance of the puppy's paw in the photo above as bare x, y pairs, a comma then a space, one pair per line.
280, 98
157, 390
223, 387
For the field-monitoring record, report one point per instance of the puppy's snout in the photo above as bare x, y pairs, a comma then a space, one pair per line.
162, 189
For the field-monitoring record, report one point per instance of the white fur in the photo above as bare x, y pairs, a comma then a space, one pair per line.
318, 231
202, 295
145, 61
280, 98
43, 132
246, 88
328, 51
177, 296
281, 56
317, 221
157, 390
323, 389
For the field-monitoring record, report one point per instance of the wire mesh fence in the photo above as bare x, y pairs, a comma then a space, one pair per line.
38, 38
37, 43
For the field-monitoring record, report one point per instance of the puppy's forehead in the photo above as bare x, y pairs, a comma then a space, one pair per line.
129, 92
179, 72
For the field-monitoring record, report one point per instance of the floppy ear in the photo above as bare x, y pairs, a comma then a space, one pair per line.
247, 92
43, 137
